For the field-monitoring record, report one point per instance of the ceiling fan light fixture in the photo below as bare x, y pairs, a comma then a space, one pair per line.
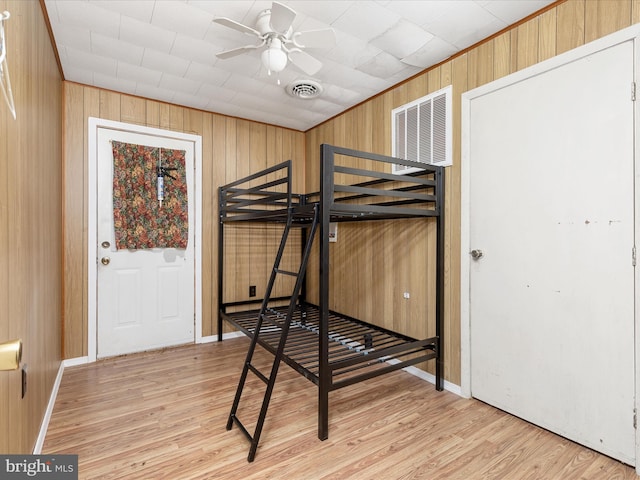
274, 58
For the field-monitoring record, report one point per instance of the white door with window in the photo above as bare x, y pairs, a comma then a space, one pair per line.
551, 231
145, 297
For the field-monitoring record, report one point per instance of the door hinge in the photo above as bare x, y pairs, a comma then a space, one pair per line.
633, 256
633, 91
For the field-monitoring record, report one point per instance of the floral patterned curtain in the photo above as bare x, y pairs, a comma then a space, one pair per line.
139, 219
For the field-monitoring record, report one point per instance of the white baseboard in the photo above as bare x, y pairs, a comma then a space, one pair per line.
225, 336
448, 386
37, 449
72, 362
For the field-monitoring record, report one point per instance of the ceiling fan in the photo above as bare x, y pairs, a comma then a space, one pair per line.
274, 30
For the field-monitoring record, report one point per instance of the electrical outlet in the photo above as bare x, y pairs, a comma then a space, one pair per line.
406, 295
252, 291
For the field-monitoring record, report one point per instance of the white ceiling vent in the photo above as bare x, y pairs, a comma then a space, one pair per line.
305, 89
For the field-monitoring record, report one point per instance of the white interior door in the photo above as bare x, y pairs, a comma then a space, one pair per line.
145, 298
551, 208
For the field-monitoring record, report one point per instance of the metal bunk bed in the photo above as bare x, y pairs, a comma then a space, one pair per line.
328, 348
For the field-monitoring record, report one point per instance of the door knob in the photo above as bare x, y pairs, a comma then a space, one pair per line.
476, 254
105, 260
10, 355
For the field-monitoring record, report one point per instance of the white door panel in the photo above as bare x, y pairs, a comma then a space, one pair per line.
551, 208
145, 297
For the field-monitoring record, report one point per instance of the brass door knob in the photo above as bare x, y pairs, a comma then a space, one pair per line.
105, 260
10, 355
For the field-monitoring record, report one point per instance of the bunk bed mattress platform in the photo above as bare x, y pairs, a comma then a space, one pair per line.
357, 350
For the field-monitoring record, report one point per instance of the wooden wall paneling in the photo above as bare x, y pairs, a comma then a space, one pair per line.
381, 124
604, 17
109, 105
294, 142
311, 144
401, 260
418, 86
283, 149
195, 122
257, 161
570, 25
5, 253
164, 116
273, 156
209, 229
231, 232
452, 232
547, 35
133, 110
635, 12
176, 118
171, 117
365, 122
92, 107
501, 55
243, 232
152, 113
382, 254
31, 233
513, 60
364, 240
480, 62
20, 267
400, 95
527, 46
218, 167
74, 227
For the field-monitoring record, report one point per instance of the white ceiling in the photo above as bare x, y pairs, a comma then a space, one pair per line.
166, 49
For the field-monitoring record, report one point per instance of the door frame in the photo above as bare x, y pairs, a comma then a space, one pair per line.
628, 34
92, 253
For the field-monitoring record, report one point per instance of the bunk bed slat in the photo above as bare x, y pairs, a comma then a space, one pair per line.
375, 192
389, 212
386, 176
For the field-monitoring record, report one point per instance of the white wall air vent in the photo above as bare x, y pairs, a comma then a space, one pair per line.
422, 130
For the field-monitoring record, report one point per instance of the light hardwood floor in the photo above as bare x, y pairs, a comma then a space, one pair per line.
162, 415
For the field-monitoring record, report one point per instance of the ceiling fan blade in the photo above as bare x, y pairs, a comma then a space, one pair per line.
315, 38
237, 51
227, 22
304, 61
281, 17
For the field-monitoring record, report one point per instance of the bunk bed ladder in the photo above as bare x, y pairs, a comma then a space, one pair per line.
270, 380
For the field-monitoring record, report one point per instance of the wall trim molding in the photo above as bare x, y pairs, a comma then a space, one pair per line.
416, 372
37, 449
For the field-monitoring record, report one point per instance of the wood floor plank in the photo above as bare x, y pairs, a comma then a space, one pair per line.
158, 415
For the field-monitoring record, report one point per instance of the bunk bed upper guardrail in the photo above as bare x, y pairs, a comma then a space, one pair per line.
264, 194
354, 185
371, 191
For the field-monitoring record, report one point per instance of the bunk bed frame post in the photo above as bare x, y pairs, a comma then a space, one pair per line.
302, 296
326, 199
439, 177
221, 308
